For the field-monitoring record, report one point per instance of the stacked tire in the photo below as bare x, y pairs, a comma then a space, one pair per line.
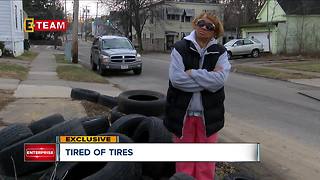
148, 103
135, 119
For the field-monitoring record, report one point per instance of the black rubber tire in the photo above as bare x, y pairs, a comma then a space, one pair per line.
181, 176
100, 70
148, 103
118, 171
115, 114
46, 123
237, 176
108, 101
13, 133
255, 53
122, 137
16, 151
153, 131
137, 71
57, 172
96, 125
84, 94
127, 124
90, 170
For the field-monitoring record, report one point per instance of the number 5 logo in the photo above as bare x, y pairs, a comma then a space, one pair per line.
29, 25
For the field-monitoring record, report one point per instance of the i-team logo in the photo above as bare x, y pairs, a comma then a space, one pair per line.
32, 25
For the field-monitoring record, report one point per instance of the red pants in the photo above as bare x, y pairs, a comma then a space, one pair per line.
194, 132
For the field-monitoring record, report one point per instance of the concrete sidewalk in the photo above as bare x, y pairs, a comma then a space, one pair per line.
42, 81
43, 93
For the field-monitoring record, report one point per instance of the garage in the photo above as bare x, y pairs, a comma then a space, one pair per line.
262, 37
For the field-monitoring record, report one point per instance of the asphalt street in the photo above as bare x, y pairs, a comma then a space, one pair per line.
270, 112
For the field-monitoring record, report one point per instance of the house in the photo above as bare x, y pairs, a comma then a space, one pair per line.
170, 21
287, 26
11, 26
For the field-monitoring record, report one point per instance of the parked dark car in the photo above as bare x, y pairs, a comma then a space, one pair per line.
114, 53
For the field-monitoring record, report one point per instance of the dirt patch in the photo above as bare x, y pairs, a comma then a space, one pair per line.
93, 109
13, 71
6, 96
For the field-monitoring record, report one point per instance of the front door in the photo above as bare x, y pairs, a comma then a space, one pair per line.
170, 42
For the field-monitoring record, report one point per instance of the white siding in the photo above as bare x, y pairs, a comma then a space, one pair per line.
5, 20
17, 31
11, 26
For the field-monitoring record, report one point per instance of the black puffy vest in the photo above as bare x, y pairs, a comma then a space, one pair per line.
178, 101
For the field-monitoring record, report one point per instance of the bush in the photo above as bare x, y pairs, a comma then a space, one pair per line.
26, 44
2, 46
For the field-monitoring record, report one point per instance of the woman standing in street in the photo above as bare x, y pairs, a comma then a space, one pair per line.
195, 98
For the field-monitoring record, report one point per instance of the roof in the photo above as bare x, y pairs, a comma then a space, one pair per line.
259, 24
300, 7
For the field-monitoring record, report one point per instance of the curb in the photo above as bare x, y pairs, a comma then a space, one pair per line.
309, 96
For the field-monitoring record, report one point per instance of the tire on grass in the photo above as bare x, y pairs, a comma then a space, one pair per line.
15, 152
115, 114
127, 124
181, 176
108, 101
148, 103
95, 125
12, 134
84, 94
153, 131
46, 123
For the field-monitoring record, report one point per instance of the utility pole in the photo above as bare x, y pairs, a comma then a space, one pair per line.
96, 29
97, 9
85, 26
65, 13
75, 32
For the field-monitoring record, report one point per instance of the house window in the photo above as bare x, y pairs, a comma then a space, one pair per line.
189, 13
174, 13
144, 36
16, 15
247, 42
21, 18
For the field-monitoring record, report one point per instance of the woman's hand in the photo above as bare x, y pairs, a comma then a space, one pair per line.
218, 68
189, 72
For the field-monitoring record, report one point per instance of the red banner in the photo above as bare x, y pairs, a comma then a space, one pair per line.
32, 25
34, 152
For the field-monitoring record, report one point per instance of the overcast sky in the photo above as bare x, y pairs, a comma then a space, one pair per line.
91, 5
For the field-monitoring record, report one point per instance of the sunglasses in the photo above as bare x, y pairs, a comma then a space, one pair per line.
209, 26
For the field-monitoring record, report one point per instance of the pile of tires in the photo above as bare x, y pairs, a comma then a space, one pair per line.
13, 138
135, 116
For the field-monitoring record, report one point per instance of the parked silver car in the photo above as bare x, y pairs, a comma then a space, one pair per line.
237, 47
114, 52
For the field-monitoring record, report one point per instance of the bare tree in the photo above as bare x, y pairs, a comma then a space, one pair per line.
240, 12
136, 12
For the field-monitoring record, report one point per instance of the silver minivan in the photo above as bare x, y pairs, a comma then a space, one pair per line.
237, 47
114, 53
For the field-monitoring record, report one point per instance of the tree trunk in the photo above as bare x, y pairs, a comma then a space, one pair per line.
138, 29
140, 41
